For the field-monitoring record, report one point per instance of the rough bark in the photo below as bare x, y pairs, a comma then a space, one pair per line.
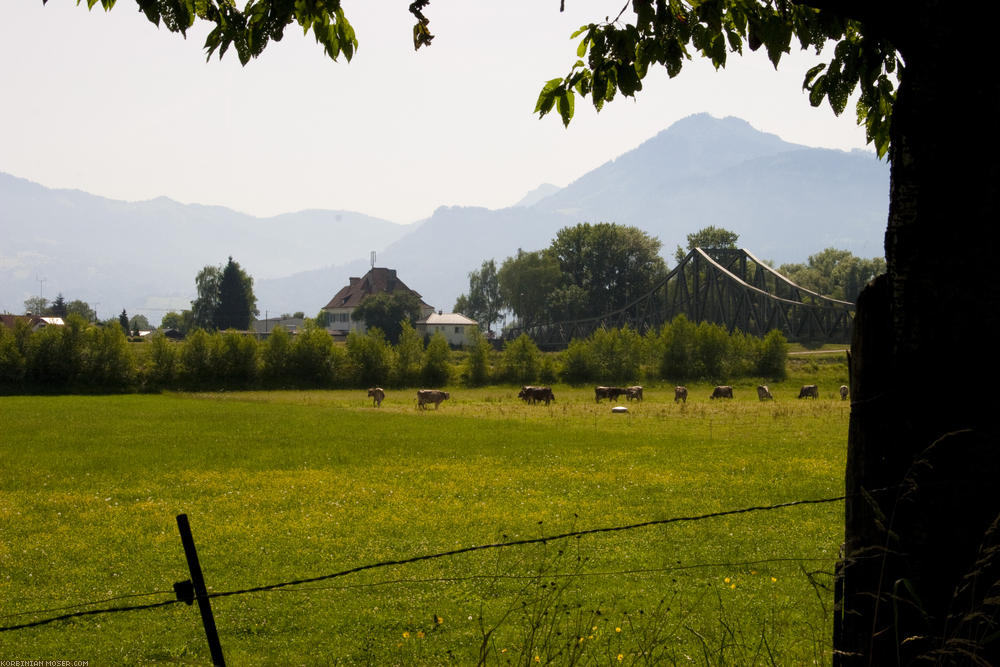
922, 452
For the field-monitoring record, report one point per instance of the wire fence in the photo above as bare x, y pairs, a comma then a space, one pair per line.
183, 594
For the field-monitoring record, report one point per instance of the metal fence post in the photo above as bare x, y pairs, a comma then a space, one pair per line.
200, 592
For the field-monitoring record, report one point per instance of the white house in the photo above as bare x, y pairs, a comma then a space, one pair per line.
455, 327
376, 281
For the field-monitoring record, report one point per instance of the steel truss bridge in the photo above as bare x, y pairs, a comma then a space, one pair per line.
729, 287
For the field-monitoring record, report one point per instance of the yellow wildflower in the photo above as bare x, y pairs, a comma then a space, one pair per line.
405, 634
618, 629
774, 579
727, 580
420, 633
620, 657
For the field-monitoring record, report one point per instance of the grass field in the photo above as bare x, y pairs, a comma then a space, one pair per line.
285, 486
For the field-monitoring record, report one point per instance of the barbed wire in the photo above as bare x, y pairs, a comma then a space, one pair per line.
410, 560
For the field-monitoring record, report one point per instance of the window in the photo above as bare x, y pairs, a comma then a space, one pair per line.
458, 329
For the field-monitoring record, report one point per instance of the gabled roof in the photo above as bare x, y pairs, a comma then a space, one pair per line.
376, 281
34, 321
447, 319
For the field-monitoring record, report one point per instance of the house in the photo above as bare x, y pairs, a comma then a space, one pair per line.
34, 321
376, 281
455, 327
264, 327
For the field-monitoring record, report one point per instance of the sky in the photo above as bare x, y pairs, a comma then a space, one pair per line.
108, 103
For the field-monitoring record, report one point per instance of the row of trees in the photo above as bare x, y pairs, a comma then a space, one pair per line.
84, 357
592, 269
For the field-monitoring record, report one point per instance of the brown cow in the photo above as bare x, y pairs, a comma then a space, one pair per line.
611, 393
763, 393
722, 391
809, 391
843, 392
681, 394
425, 396
635, 391
377, 395
536, 394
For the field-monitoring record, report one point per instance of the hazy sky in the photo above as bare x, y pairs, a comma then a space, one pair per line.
110, 104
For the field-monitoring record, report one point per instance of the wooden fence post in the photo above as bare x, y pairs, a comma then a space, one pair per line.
200, 592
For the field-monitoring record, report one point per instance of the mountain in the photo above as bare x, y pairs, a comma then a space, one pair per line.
786, 201
144, 255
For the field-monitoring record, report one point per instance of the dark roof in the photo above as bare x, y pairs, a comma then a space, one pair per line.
376, 281
10, 321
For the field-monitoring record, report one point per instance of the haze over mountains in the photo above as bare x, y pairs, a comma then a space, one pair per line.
785, 200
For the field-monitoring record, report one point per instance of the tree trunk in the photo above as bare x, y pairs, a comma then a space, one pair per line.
923, 453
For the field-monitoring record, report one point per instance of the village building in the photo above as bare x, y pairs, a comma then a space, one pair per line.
455, 327
35, 322
263, 328
376, 281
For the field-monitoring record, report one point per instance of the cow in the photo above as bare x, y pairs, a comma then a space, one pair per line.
763, 393
536, 394
722, 391
425, 396
843, 392
635, 391
809, 391
377, 395
609, 393
681, 394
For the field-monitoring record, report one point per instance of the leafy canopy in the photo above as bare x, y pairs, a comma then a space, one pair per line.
614, 56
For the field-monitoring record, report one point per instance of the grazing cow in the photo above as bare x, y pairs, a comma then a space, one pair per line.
843, 392
681, 394
809, 391
377, 395
425, 396
763, 393
536, 394
609, 393
635, 392
722, 391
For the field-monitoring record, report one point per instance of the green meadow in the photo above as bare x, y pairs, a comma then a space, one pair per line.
287, 486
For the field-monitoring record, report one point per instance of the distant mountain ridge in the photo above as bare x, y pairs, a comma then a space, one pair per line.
785, 200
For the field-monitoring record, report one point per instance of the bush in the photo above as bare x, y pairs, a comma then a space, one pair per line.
712, 343
162, 362
773, 355
313, 360
578, 364
372, 357
521, 360
617, 354
275, 357
197, 367
409, 357
437, 362
678, 348
13, 365
477, 363
107, 362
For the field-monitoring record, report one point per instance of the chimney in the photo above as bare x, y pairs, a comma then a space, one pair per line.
355, 281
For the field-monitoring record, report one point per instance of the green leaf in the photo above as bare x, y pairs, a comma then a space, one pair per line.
546, 98
565, 103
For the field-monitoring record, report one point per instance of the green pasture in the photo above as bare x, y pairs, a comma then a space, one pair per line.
284, 486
